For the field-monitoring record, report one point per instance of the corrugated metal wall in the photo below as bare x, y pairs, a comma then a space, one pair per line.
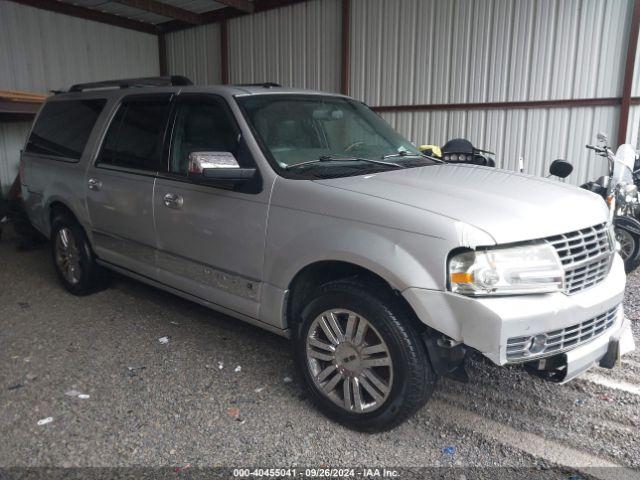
633, 127
429, 52
297, 46
195, 53
41, 51
635, 91
402, 52
406, 52
12, 137
538, 135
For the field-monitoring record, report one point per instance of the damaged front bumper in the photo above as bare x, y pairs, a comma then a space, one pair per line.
547, 332
604, 351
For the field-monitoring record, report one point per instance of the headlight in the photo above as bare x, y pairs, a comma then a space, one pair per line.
507, 271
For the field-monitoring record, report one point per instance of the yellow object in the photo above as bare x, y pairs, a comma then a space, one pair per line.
462, 277
433, 150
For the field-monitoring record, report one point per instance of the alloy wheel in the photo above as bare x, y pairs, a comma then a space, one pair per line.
627, 243
349, 361
67, 256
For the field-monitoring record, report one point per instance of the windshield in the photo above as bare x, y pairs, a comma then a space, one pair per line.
624, 162
303, 132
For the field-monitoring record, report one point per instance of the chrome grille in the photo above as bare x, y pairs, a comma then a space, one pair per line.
585, 255
549, 343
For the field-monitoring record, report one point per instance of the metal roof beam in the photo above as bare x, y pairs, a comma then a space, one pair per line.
242, 5
89, 14
228, 13
163, 9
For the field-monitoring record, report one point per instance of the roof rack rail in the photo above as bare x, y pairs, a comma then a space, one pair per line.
263, 84
168, 81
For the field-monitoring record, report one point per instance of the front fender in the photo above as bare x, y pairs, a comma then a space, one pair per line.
628, 223
298, 239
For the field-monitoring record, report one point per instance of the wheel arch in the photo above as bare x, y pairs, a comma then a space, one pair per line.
58, 206
310, 277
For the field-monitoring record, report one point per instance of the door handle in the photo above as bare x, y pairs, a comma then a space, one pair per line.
173, 200
94, 184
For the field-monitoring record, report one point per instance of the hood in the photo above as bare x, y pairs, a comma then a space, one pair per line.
509, 206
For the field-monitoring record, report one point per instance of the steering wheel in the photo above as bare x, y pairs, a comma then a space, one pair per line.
354, 145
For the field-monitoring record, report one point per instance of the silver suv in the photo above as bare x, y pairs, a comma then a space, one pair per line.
306, 214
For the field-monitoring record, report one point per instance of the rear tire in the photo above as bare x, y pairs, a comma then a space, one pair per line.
73, 258
386, 364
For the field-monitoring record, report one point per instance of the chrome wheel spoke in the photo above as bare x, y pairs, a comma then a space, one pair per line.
326, 372
331, 384
320, 355
357, 395
380, 348
349, 361
371, 389
376, 362
335, 328
351, 326
360, 332
64, 238
382, 387
327, 331
314, 342
346, 393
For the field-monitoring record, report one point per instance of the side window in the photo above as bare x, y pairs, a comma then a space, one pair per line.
63, 127
135, 136
202, 126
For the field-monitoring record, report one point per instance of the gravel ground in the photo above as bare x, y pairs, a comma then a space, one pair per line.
153, 404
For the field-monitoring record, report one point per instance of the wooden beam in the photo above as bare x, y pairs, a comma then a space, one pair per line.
224, 52
89, 14
629, 73
571, 103
242, 5
19, 107
346, 47
163, 9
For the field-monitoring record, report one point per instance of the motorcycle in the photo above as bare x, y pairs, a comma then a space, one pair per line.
621, 194
460, 150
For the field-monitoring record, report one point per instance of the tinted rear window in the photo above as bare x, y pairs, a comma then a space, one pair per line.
63, 128
135, 136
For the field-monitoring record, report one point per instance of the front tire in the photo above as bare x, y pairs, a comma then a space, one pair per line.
73, 258
362, 358
629, 248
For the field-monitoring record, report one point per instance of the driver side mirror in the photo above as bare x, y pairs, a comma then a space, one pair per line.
560, 168
217, 168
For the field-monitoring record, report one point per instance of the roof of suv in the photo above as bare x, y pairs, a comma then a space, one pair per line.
123, 87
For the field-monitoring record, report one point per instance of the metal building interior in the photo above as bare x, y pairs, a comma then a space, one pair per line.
528, 79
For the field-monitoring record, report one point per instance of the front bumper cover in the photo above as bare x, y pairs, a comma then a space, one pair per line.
604, 351
486, 324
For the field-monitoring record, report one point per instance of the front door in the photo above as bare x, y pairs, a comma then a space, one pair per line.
210, 239
120, 184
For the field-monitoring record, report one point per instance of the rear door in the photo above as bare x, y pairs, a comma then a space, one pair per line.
210, 239
52, 156
120, 184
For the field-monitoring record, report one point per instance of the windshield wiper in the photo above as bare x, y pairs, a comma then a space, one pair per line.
333, 158
415, 155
